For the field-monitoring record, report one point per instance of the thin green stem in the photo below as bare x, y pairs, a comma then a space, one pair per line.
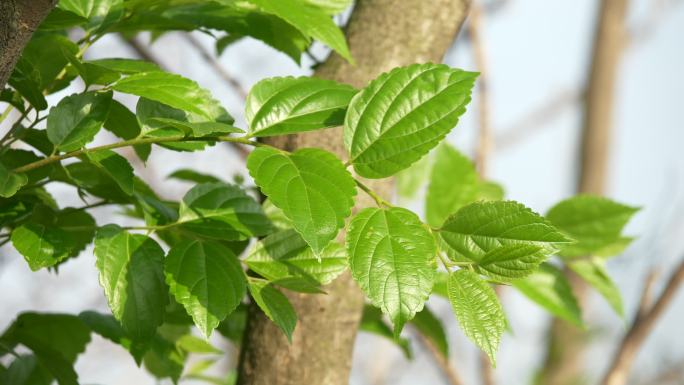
126, 143
377, 198
444, 262
6, 113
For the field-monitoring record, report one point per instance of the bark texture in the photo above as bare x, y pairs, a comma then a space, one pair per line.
564, 362
382, 34
18, 20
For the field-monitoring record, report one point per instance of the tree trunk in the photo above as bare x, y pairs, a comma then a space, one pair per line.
18, 20
382, 34
564, 362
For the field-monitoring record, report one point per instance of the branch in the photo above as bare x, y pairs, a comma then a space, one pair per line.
127, 143
642, 326
485, 140
450, 375
216, 66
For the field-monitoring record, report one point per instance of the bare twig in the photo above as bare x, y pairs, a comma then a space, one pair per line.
142, 51
450, 375
537, 120
216, 66
647, 296
642, 326
485, 140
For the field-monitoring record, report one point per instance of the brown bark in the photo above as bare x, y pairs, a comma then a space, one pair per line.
564, 362
382, 34
18, 20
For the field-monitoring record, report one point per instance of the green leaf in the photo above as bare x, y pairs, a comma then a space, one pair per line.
595, 223
116, 166
453, 184
26, 370
108, 327
132, 274
222, 211
175, 91
391, 256
478, 310
164, 359
77, 118
13, 158
311, 186
10, 182
88, 9
51, 237
190, 175
549, 288
310, 21
440, 286
192, 344
207, 279
594, 272
410, 180
55, 339
284, 255
286, 105
431, 328
490, 191
276, 215
511, 261
123, 123
402, 115
372, 322
124, 66
480, 227
331, 7
201, 129
274, 304
233, 327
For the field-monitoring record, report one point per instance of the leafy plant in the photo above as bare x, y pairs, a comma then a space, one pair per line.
188, 262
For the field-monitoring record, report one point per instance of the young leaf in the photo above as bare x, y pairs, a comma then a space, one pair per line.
549, 288
284, 255
511, 261
431, 328
75, 120
373, 322
478, 310
222, 211
207, 279
594, 272
175, 91
132, 274
402, 115
310, 21
116, 166
391, 256
10, 182
480, 227
595, 223
311, 186
192, 344
190, 175
201, 129
274, 304
410, 180
285, 105
453, 184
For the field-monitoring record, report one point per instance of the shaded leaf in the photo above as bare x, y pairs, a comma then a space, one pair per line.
77, 118
431, 328
594, 272
116, 166
511, 261
372, 322
207, 279
453, 184
131, 272
549, 288
274, 304
10, 182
